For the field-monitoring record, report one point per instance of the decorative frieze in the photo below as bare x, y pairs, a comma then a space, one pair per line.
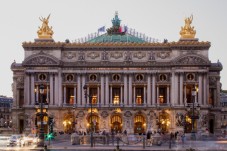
69, 55
139, 55
163, 55
93, 55
116, 55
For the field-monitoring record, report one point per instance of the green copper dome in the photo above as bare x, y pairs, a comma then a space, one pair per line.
116, 34
116, 38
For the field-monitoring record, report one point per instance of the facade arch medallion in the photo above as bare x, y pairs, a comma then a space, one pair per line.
127, 114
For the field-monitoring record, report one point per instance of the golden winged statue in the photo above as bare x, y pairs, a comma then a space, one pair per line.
45, 31
188, 31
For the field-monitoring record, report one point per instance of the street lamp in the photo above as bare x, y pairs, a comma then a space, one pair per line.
193, 137
86, 95
41, 131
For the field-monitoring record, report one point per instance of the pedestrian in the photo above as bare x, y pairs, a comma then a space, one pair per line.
183, 139
170, 141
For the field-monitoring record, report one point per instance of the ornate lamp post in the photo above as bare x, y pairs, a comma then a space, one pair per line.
41, 131
86, 95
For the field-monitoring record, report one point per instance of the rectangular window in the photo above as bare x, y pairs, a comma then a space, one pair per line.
116, 93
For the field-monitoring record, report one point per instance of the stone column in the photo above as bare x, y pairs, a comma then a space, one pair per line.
107, 90
37, 93
153, 89
74, 91
200, 89
176, 90
102, 89
79, 101
111, 95
130, 90
205, 89
47, 99
32, 101
56, 89
185, 98
16, 103
144, 95
172, 88
60, 88
168, 95
125, 89
51, 89
181, 89
98, 96
134, 94
148, 89
64, 94
158, 95
218, 91
87, 99
122, 94
26, 89
82, 90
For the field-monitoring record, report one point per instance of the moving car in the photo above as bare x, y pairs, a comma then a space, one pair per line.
14, 140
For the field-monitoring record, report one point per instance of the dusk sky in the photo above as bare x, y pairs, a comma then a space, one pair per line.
73, 19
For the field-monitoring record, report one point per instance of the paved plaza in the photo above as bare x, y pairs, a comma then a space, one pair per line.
64, 143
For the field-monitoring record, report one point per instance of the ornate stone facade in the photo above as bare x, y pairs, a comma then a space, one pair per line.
132, 86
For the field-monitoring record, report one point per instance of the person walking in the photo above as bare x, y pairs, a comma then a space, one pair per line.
183, 139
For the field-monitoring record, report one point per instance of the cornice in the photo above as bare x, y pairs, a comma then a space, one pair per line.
184, 45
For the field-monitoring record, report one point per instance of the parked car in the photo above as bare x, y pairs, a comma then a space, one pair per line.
15, 140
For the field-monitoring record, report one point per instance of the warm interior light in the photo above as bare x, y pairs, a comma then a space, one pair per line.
116, 99
138, 99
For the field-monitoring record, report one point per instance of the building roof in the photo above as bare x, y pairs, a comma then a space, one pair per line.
4, 99
116, 38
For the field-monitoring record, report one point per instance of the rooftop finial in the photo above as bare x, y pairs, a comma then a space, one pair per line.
116, 13
187, 31
45, 31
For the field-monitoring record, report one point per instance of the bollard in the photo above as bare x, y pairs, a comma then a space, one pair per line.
144, 142
45, 147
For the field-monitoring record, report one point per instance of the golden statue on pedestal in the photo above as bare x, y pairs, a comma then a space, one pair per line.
187, 31
45, 31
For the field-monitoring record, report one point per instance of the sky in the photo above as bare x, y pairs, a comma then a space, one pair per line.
73, 19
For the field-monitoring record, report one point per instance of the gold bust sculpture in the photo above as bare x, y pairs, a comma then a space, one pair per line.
187, 31
45, 31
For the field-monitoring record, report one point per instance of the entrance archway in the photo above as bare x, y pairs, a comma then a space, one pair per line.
188, 122
139, 124
116, 123
164, 121
93, 123
68, 123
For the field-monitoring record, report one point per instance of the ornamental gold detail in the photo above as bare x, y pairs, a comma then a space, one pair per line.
188, 31
45, 32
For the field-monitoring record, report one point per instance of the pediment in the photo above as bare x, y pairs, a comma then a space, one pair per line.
191, 60
41, 59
